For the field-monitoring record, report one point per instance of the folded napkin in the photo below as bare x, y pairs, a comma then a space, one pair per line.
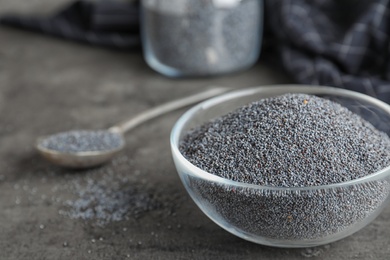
104, 23
335, 43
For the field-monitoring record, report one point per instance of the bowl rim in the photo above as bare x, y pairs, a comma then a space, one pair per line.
307, 89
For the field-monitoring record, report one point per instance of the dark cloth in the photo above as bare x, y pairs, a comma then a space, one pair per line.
321, 42
104, 23
336, 43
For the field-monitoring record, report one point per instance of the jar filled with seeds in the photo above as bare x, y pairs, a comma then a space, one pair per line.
201, 37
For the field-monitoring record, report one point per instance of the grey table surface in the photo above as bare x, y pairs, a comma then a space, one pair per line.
49, 85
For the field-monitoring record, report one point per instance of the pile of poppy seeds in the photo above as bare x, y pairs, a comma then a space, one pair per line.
292, 140
83, 141
108, 200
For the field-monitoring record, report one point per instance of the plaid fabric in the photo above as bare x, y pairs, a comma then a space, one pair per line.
336, 43
105, 23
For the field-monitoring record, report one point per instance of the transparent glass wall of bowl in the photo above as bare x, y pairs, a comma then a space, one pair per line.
285, 217
201, 37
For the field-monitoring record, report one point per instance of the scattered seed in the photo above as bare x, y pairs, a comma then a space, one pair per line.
103, 202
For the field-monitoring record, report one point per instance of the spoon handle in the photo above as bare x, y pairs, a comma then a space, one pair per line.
165, 108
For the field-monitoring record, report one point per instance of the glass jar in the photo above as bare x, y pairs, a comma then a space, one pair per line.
201, 37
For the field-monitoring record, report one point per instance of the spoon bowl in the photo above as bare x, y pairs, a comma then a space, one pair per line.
78, 160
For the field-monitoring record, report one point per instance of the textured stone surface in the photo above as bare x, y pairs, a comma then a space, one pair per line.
49, 85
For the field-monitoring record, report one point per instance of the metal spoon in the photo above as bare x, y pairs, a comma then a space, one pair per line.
86, 159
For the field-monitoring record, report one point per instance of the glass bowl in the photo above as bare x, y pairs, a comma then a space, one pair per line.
266, 215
